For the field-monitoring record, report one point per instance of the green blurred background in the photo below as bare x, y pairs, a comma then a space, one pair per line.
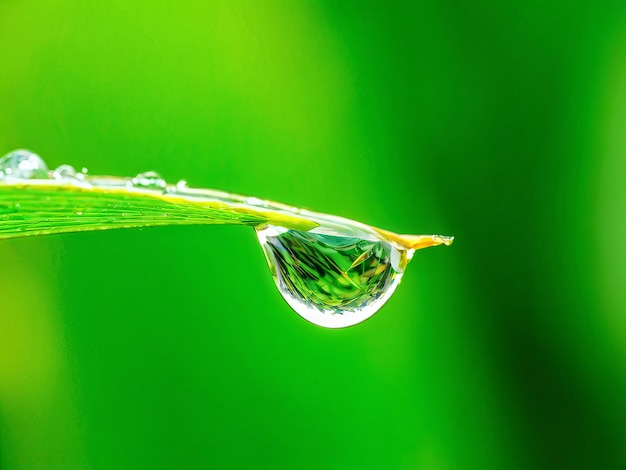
499, 123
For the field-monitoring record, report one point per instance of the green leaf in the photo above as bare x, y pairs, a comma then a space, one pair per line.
47, 207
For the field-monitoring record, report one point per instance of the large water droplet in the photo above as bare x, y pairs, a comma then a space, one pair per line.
22, 165
331, 279
149, 180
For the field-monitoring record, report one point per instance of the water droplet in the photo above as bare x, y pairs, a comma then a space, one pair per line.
333, 279
64, 172
22, 165
82, 176
148, 180
182, 184
255, 201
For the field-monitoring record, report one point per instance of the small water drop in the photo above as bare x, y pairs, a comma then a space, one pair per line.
64, 172
255, 201
148, 180
181, 185
82, 176
333, 279
22, 165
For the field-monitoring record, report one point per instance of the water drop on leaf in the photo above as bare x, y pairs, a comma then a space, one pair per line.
22, 165
332, 271
333, 279
149, 180
64, 172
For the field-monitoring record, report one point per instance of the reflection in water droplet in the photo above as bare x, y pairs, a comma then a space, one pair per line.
333, 280
22, 165
149, 180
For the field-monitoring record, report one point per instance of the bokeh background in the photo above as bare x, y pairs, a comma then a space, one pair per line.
501, 123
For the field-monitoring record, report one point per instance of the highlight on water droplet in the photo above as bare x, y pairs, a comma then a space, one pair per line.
333, 279
22, 164
149, 180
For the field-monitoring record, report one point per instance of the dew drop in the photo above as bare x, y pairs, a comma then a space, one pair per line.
333, 279
148, 180
64, 172
83, 174
177, 189
255, 201
22, 165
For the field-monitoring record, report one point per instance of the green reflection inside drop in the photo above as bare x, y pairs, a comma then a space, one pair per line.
330, 279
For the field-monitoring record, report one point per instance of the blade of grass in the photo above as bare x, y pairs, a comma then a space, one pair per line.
40, 209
